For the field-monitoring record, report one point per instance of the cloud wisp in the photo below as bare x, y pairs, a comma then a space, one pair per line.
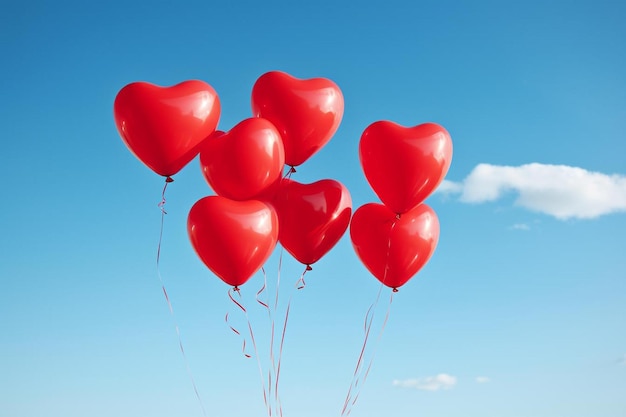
482, 379
430, 383
520, 226
560, 191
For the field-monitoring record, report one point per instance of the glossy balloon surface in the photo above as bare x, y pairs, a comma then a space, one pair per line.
404, 165
394, 249
307, 113
313, 217
165, 126
243, 162
232, 238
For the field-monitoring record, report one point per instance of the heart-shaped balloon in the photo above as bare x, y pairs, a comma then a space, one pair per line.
243, 162
307, 113
164, 126
232, 238
394, 247
404, 165
312, 217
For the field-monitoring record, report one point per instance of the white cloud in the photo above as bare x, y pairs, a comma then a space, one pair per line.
430, 383
558, 190
450, 187
520, 226
482, 379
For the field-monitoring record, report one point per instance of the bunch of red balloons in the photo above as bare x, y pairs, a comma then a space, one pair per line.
256, 206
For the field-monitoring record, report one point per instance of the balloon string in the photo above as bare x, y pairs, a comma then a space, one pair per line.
369, 318
237, 332
162, 202
292, 170
357, 368
280, 265
262, 290
371, 361
276, 363
272, 313
161, 206
254, 346
347, 406
276, 381
271, 318
273, 332
300, 284
393, 225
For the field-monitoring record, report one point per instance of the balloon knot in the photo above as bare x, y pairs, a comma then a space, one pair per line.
169, 179
309, 268
236, 288
395, 290
292, 170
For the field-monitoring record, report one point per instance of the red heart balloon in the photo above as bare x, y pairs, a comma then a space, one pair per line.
404, 165
307, 113
164, 126
312, 217
245, 161
232, 238
394, 247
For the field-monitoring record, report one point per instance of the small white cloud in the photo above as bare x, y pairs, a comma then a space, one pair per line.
450, 187
482, 379
430, 383
520, 226
557, 190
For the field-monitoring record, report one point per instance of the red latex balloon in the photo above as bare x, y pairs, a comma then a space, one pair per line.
232, 238
307, 113
394, 249
404, 165
164, 126
245, 161
312, 217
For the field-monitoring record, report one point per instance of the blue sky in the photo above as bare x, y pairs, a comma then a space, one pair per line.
521, 312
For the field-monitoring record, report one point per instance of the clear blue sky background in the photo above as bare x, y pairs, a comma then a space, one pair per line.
530, 301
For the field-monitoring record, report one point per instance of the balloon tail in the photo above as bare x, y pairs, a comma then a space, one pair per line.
161, 206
